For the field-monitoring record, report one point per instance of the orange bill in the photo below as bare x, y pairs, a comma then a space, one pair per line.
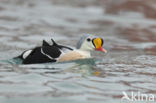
98, 42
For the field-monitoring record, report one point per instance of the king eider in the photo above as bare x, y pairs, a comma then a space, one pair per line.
59, 53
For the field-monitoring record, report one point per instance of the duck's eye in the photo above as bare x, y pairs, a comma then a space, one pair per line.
88, 39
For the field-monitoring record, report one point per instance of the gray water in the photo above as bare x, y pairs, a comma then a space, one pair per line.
129, 66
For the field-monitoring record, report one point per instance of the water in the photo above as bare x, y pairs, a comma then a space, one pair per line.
129, 65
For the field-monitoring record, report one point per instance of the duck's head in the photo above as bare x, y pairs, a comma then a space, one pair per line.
90, 43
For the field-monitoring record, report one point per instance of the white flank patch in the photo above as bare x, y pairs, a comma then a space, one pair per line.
26, 53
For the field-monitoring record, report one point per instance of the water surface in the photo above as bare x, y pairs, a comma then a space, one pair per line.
129, 65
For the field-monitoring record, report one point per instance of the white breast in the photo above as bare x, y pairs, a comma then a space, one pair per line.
73, 55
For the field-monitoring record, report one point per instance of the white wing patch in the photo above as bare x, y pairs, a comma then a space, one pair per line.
26, 54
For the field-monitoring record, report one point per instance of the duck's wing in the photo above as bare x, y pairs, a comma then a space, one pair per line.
41, 55
51, 51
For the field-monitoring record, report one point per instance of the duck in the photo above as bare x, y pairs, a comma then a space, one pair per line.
47, 53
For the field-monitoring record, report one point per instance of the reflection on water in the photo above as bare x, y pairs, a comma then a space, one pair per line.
129, 35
